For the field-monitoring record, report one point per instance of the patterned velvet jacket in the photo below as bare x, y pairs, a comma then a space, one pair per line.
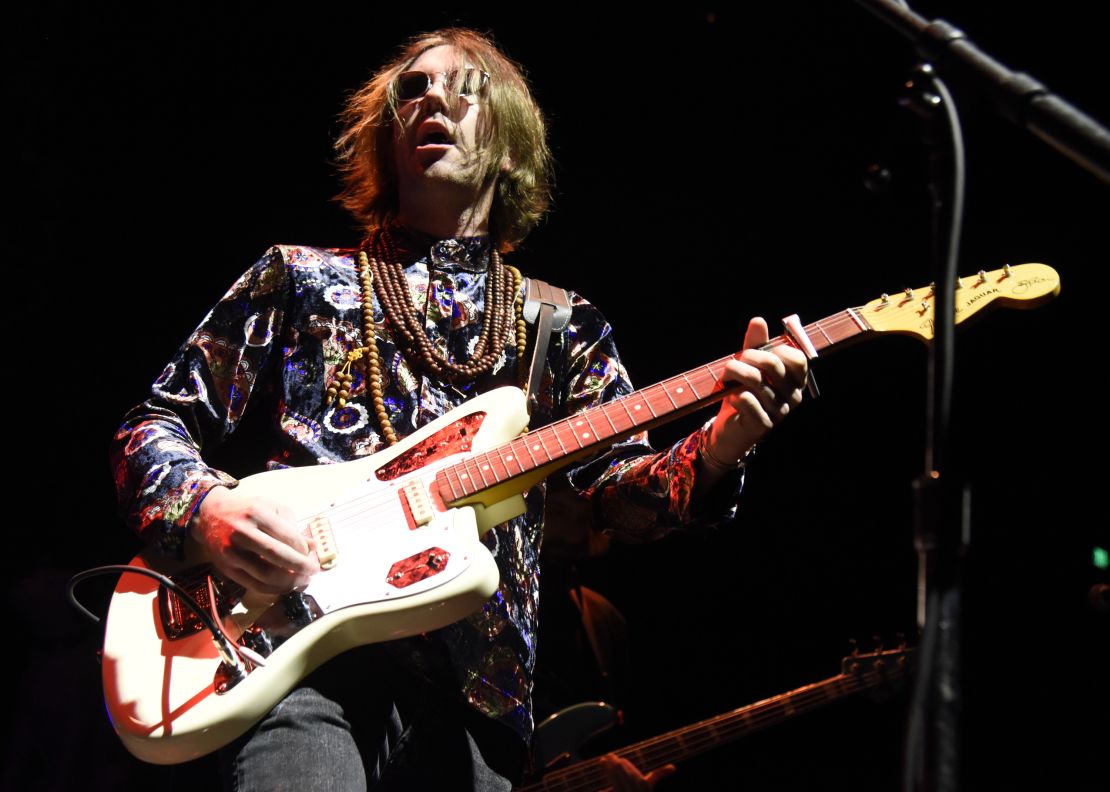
273, 343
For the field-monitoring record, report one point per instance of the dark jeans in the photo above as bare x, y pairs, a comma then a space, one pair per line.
352, 726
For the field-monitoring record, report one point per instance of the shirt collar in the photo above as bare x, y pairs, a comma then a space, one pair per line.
468, 254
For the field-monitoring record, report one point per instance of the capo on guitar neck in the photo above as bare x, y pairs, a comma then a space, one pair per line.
797, 333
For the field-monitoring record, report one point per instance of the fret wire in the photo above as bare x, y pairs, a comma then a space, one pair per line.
605, 411
478, 466
465, 486
569, 424
528, 447
447, 477
597, 436
463, 489
819, 326
544, 447
583, 418
497, 465
631, 417
667, 393
558, 439
515, 458
693, 389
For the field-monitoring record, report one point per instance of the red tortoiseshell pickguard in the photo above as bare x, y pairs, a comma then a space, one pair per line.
453, 439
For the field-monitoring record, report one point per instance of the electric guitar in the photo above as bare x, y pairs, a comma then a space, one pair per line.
575, 725
397, 536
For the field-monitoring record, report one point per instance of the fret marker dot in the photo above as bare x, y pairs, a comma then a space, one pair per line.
585, 435
678, 390
636, 407
485, 467
577, 423
536, 447
463, 475
509, 458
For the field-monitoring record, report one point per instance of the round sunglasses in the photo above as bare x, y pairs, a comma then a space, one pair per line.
469, 83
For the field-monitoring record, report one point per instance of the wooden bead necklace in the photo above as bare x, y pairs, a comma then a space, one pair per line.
381, 274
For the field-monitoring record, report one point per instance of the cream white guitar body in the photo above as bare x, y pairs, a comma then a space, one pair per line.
403, 526
162, 694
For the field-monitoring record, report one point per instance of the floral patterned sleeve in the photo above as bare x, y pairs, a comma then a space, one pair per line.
638, 494
195, 403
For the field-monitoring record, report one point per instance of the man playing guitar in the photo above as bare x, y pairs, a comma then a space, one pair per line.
446, 167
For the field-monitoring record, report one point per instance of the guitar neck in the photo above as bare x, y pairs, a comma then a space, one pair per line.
537, 453
490, 476
705, 735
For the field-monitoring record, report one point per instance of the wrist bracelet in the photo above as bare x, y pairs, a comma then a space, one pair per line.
712, 460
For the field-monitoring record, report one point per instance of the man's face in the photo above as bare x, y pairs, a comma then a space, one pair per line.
435, 136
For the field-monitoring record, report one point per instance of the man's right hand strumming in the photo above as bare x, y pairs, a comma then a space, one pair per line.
253, 542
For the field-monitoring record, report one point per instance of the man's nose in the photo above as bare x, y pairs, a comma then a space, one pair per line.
435, 100
438, 88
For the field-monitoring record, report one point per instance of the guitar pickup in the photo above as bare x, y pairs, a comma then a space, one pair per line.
417, 504
324, 540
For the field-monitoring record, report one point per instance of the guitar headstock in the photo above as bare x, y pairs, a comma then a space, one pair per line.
1014, 286
888, 664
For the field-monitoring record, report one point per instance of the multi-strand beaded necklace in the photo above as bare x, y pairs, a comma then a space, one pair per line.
380, 273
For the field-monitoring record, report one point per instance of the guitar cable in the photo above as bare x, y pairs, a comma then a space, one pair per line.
228, 649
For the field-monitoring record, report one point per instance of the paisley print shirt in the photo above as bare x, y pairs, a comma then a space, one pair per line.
273, 343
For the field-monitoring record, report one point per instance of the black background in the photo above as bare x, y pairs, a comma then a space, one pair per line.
711, 167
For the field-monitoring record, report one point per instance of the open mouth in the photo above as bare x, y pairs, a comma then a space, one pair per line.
433, 135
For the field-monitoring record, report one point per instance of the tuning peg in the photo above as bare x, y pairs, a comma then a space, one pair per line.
885, 298
1006, 271
982, 276
909, 294
878, 639
855, 646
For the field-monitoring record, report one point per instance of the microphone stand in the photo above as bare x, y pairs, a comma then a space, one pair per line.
941, 526
1017, 96
942, 520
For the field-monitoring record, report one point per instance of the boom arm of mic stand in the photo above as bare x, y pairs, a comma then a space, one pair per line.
1019, 97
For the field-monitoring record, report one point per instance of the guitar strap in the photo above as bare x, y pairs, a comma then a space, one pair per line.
548, 308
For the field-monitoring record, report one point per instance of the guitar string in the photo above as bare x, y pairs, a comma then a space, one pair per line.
657, 751
355, 508
700, 736
656, 395
837, 327
372, 506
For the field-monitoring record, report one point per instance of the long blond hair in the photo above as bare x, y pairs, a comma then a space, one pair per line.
513, 130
